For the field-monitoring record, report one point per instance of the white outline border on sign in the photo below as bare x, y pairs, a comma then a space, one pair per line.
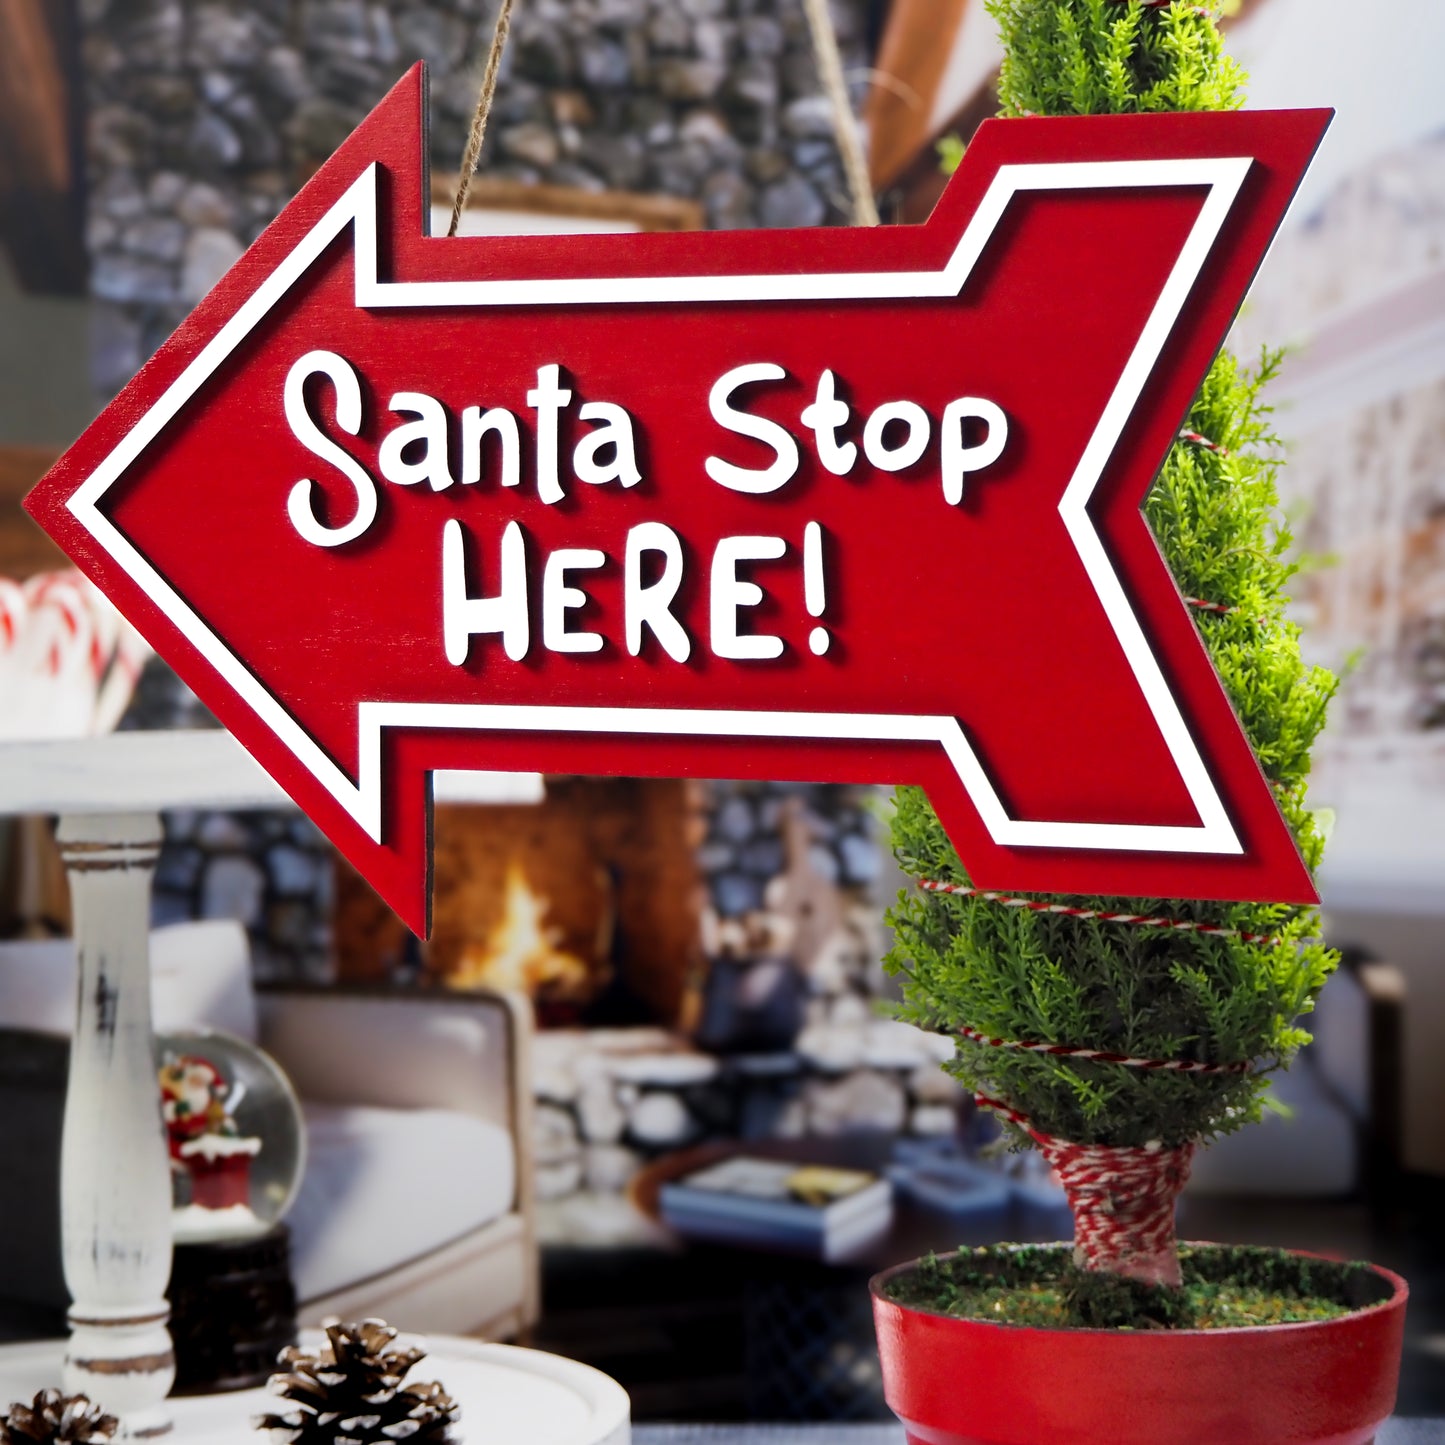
1214, 834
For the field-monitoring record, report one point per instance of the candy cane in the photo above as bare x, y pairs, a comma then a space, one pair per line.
126, 664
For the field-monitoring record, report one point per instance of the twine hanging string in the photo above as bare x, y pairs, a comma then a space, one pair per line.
830, 69
850, 144
478, 130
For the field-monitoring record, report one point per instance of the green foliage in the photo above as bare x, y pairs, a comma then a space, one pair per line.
1148, 993
1108, 57
1224, 1287
950, 154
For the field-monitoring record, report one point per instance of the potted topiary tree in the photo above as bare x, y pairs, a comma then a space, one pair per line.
1118, 1035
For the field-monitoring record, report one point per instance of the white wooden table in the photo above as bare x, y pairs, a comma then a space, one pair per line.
115, 1191
507, 1396
1396, 1432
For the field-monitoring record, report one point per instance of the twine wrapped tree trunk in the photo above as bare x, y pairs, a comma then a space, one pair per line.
1114, 1043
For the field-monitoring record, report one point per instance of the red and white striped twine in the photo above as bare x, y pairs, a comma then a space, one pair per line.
1005, 1111
1137, 920
1195, 439
1203, 604
1102, 1056
1122, 1199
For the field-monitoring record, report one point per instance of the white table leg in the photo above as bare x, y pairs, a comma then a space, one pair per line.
115, 1189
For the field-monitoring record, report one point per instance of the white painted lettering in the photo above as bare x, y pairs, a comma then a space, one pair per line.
476, 423
465, 617
615, 432
300, 504
895, 459
755, 480
430, 430
547, 400
824, 417
730, 593
558, 598
651, 606
958, 459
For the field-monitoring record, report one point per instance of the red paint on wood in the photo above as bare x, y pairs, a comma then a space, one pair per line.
981, 614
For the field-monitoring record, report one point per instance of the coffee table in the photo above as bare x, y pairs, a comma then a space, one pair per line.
915, 1231
808, 1324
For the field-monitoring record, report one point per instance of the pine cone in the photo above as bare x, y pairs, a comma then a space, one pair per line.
55, 1419
352, 1393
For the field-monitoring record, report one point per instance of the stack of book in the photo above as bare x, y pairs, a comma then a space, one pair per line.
775, 1204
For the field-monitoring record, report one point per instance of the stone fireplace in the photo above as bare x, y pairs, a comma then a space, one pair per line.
705, 962
589, 902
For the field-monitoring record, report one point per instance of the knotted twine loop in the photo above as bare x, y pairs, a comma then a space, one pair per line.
478, 130
1122, 1199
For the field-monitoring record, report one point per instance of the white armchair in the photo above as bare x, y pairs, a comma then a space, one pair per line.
417, 1201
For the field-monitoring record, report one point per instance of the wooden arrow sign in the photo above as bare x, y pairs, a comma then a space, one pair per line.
830, 505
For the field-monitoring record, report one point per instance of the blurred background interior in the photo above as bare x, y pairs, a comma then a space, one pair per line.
699, 961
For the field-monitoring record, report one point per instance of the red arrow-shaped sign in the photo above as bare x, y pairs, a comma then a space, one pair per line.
828, 505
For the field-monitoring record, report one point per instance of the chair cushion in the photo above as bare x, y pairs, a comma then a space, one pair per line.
383, 1187
200, 977
1314, 1153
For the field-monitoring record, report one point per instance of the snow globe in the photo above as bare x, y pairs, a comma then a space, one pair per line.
235, 1135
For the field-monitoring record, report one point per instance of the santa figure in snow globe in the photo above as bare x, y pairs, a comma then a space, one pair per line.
209, 1154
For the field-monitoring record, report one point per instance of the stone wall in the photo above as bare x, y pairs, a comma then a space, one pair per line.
745, 846
610, 1101
206, 115
270, 871
792, 871
795, 874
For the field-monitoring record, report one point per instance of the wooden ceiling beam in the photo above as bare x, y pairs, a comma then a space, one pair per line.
24, 548
910, 65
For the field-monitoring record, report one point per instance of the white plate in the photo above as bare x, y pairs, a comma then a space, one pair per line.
508, 1396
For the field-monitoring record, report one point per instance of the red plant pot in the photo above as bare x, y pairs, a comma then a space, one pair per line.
973, 1382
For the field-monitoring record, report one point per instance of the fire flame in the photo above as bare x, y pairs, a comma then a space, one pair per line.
522, 952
